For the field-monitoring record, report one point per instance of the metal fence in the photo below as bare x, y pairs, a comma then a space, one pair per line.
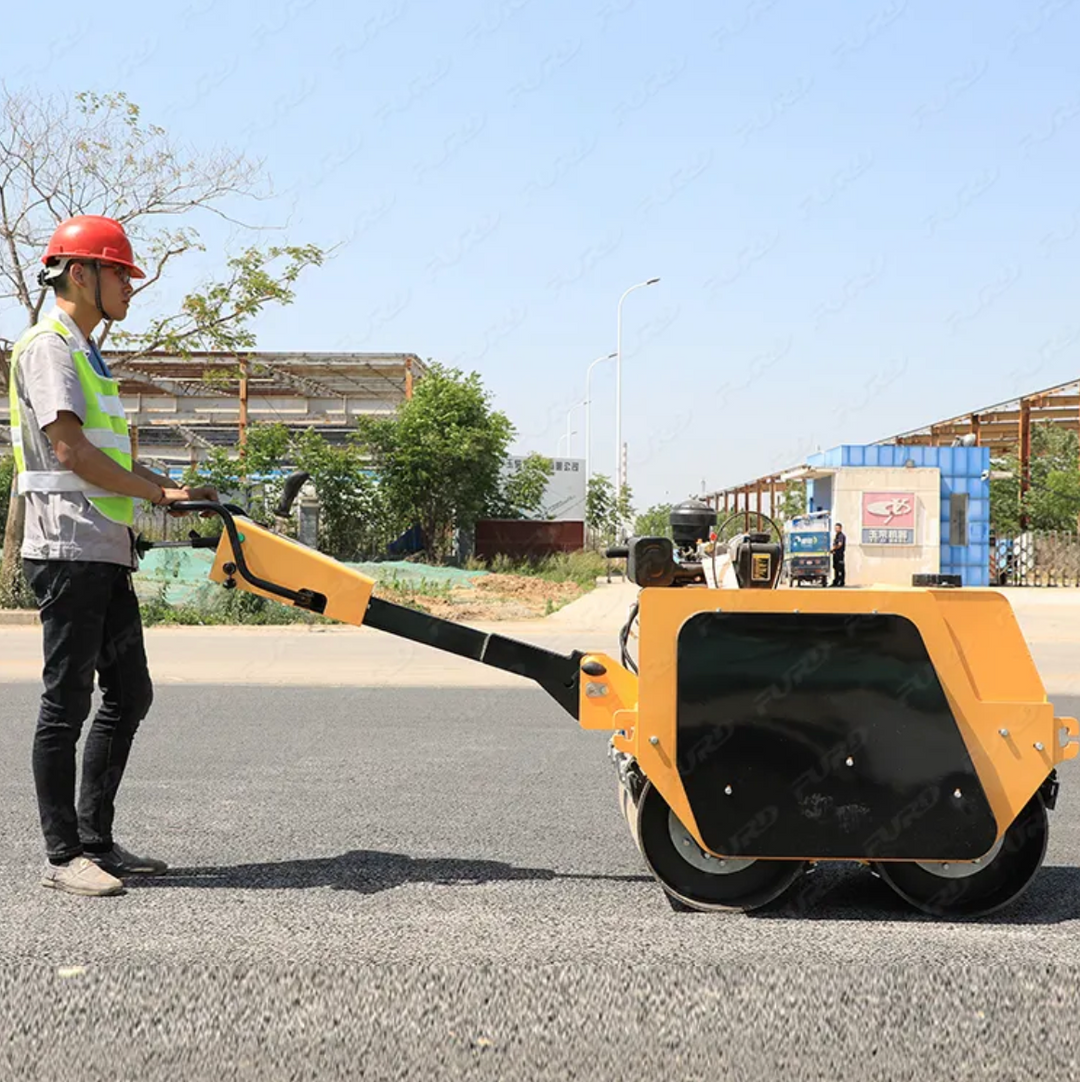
1036, 558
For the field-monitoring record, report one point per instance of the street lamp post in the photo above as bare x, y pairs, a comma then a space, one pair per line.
569, 414
620, 480
588, 413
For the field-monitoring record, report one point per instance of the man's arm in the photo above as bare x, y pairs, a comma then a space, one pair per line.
76, 453
158, 479
191, 492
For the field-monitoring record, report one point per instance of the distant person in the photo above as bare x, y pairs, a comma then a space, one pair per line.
839, 545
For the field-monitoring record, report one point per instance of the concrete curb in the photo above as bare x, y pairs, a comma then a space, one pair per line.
18, 617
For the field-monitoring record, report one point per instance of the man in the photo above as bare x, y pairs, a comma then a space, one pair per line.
839, 544
73, 455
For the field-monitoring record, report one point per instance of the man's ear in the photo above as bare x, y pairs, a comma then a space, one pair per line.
77, 273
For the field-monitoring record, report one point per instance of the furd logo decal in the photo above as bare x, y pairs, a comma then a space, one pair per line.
888, 518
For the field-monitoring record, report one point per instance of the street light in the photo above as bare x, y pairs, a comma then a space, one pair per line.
569, 414
620, 480
588, 413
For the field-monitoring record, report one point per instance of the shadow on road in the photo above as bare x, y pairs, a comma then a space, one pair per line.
365, 871
839, 892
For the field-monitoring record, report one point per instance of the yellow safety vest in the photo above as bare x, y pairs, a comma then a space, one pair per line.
105, 426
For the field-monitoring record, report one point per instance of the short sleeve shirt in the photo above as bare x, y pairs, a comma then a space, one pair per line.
61, 525
841, 544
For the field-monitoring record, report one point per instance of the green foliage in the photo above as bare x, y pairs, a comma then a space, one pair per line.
1053, 500
521, 493
793, 502
655, 522
582, 567
267, 447
605, 515
218, 316
228, 607
7, 478
353, 517
440, 458
410, 591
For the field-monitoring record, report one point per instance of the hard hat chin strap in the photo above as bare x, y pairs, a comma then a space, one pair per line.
97, 292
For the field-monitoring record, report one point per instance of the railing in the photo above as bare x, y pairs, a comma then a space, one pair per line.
1036, 558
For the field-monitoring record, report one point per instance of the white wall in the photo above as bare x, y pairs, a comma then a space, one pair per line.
889, 563
564, 497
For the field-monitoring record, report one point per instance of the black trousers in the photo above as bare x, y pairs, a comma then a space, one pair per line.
90, 622
838, 571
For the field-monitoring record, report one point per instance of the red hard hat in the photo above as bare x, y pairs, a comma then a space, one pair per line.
90, 236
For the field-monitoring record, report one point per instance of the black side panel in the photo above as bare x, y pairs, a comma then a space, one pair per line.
775, 704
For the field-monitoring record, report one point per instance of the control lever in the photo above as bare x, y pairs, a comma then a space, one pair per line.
293, 483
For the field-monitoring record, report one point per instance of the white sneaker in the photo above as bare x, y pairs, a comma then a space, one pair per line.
80, 876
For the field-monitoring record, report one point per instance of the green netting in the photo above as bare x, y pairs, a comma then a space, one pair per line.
185, 572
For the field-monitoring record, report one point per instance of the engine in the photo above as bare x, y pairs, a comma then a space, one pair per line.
694, 555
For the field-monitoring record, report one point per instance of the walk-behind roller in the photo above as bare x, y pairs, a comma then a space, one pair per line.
764, 730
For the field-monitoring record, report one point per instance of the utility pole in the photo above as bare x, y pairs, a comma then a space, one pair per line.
243, 403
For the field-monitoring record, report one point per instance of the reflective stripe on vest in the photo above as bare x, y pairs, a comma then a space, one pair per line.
105, 426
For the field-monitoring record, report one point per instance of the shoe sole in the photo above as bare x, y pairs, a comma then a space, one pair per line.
85, 892
121, 873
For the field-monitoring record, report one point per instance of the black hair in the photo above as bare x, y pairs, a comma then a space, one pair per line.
61, 284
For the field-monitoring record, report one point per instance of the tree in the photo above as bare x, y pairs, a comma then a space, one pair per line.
353, 518
1052, 501
605, 515
267, 446
793, 502
600, 508
440, 459
655, 522
95, 155
521, 493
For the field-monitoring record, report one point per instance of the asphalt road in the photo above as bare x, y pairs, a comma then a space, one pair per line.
424, 883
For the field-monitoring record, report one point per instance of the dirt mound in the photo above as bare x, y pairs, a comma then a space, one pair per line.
497, 597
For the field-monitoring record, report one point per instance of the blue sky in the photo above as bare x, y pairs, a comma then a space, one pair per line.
865, 215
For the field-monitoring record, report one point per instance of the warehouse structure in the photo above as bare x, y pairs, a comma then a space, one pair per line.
1002, 428
179, 407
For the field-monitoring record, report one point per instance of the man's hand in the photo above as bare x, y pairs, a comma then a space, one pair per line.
193, 492
170, 496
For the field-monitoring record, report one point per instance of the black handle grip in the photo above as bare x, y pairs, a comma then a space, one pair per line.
293, 483
206, 505
619, 552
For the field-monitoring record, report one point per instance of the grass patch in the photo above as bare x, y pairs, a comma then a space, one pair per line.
583, 567
221, 606
408, 591
214, 605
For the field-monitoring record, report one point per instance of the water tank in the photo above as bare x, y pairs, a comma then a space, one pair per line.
691, 521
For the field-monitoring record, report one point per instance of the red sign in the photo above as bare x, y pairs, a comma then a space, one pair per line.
888, 510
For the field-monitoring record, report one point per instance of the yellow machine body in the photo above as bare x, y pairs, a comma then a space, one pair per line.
973, 641
944, 793
286, 562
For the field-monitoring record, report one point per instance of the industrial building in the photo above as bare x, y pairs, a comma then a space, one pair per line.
179, 407
939, 472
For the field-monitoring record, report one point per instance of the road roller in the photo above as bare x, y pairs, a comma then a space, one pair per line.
761, 731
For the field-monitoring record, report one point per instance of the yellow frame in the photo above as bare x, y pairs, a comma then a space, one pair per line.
974, 643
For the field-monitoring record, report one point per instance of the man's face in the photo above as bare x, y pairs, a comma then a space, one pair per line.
116, 288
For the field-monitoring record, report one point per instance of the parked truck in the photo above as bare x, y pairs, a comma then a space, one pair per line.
807, 541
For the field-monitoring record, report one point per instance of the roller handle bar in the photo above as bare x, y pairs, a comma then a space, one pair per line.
304, 599
557, 674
